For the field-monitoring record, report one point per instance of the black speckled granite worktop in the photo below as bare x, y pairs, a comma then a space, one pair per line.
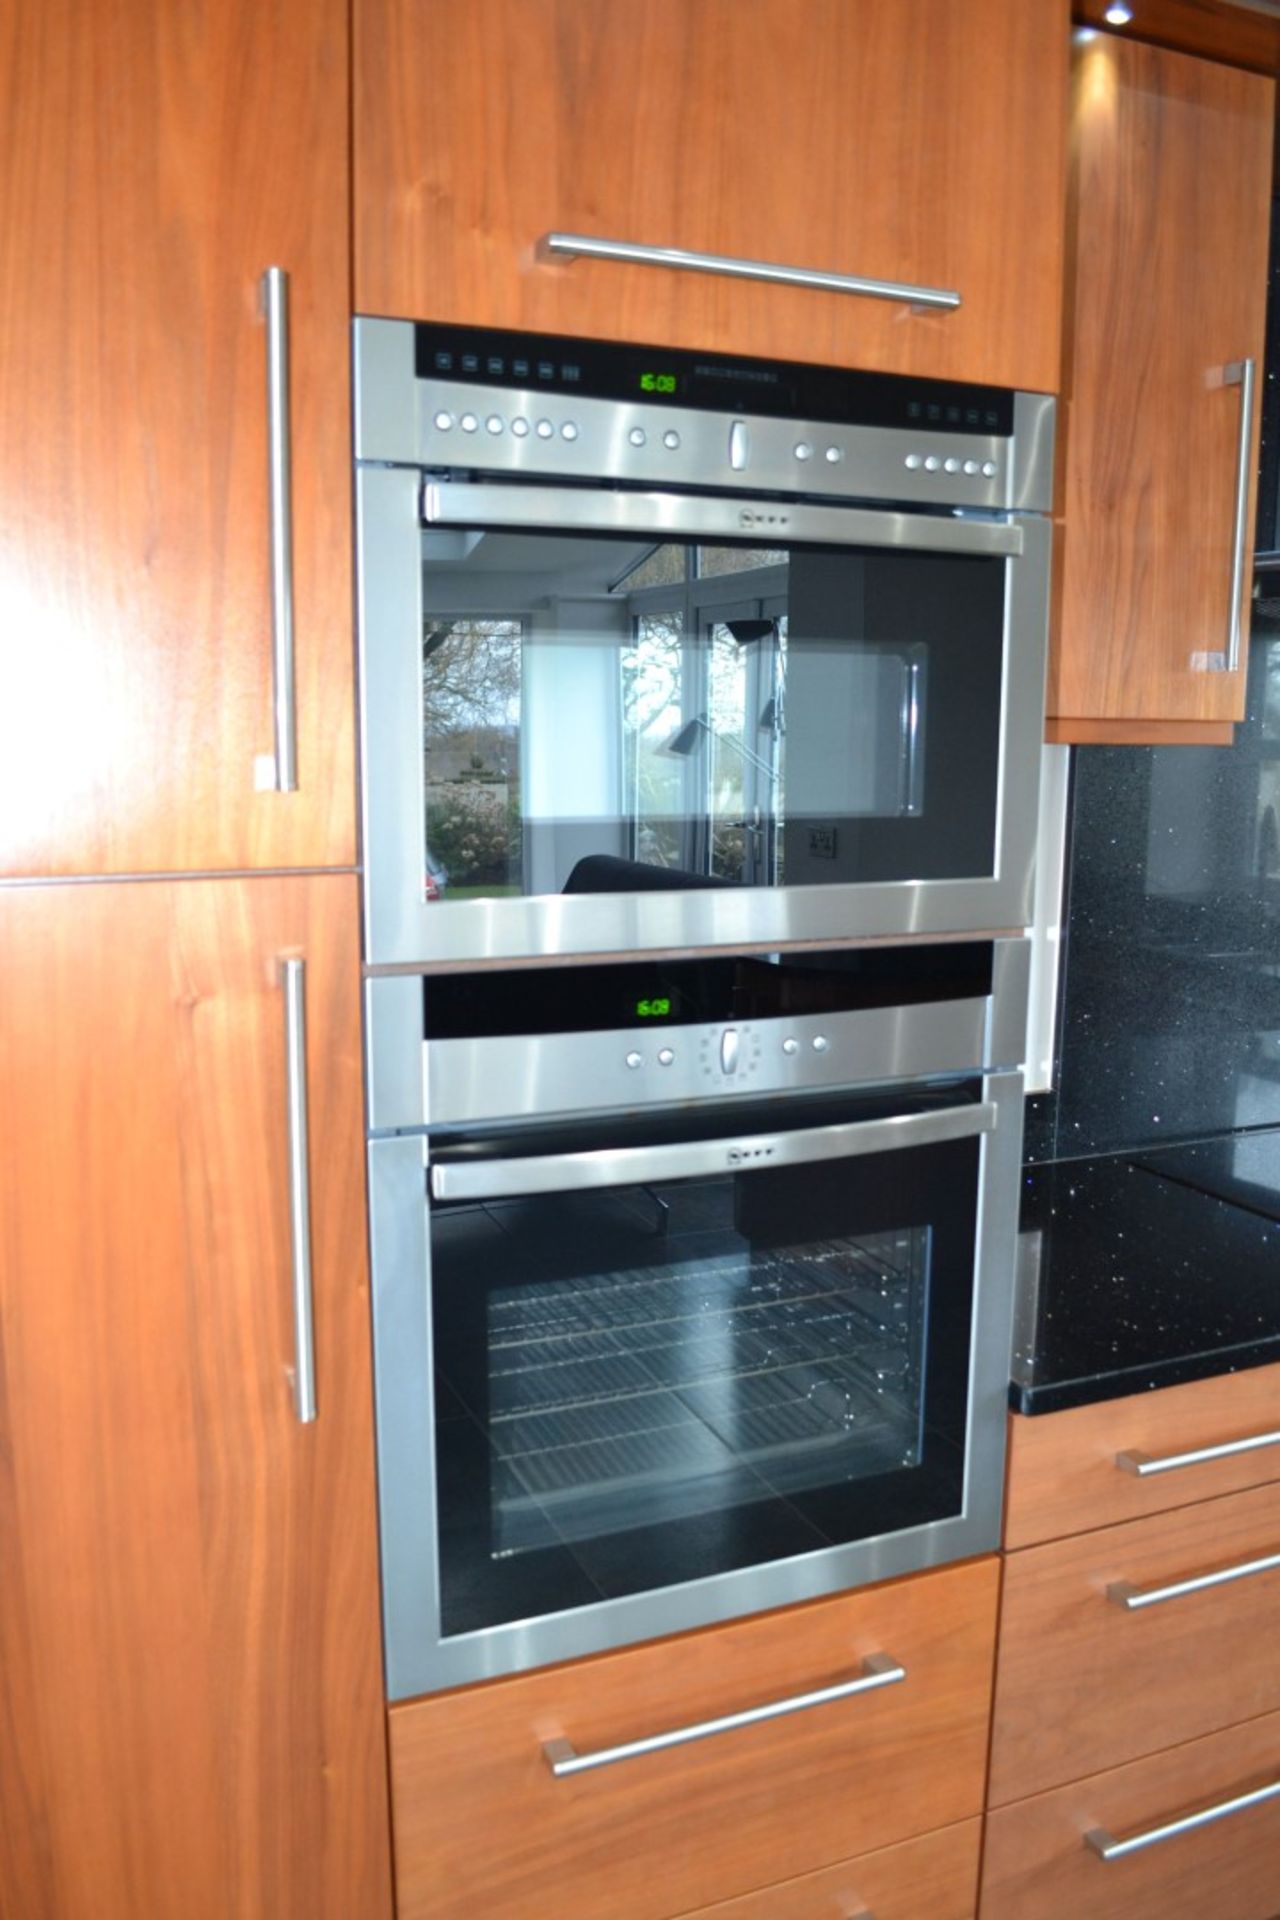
1139, 1270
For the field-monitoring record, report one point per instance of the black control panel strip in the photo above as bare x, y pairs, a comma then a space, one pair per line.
714, 383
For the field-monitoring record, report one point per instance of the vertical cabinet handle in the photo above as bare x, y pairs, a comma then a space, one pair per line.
295, 1031
1242, 374
275, 307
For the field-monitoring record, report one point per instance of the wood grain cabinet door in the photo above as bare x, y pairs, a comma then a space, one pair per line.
191, 1722
914, 141
1167, 281
157, 157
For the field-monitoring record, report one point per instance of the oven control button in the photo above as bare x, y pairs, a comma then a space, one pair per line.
931, 463
494, 423
791, 1046
803, 450
665, 1056
671, 439
951, 464
834, 454
468, 423
569, 430
444, 421
729, 1050
820, 1043
635, 1059
915, 462
544, 430
739, 445
990, 469
520, 427
637, 436
971, 467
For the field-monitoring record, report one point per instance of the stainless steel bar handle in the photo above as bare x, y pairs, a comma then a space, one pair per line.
878, 1670
1133, 1598
571, 246
275, 306
1106, 1848
1242, 374
295, 1030
685, 1159
1143, 1465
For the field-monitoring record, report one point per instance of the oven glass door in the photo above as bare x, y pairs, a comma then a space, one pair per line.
646, 1376
606, 714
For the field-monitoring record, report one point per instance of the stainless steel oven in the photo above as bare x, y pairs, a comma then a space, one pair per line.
692, 1289
667, 650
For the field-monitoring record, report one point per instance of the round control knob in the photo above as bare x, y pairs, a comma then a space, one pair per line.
803, 450
971, 467
444, 421
671, 439
635, 1059
834, 454
520, 427
820, 1043
951, 464
914, 461
468, 423
544, 430
791, 1046
931, 463
665, 1056
569, 431
989, 469
637, 436
494, 423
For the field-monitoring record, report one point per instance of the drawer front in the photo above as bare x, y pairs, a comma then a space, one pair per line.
483, 1826
933, 1878
1063, 1471
1085, 1681
1037, 1865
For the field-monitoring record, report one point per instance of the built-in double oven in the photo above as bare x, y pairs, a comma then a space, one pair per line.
701, 708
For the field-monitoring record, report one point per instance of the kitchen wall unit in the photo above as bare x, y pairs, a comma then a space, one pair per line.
482, 1825
1137, 1679
192, 1721
157, 159
910, 140
1169, 218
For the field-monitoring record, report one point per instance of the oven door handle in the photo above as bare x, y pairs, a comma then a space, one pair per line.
691, 1159
461, 503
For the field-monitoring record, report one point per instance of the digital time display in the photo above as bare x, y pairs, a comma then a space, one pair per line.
657, 383
652, 1009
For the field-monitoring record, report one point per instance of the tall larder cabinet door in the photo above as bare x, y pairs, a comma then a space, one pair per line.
191, 1723
1166, 319
158, 159
917, 142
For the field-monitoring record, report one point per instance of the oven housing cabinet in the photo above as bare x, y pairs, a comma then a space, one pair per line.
904, 1052
883, 496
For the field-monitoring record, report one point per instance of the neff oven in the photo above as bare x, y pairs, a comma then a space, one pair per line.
692, 1289
665, 650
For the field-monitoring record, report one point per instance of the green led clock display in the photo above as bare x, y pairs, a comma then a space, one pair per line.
657, 383
652, 1009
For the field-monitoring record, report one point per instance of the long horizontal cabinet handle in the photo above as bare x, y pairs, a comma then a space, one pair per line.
1143, 1465
588, 246
878, 1670
1108, 1849
1134, 1598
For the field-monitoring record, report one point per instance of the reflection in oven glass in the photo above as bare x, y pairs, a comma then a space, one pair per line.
720, 1373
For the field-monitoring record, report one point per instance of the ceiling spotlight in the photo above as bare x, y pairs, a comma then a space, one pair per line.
1118, 14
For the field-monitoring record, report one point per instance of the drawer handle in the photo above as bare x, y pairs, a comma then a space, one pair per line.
569, 246
1132, 1598
1100, 1842
878, 1670
1144, 1466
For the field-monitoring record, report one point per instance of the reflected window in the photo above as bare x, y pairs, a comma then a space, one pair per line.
471, 710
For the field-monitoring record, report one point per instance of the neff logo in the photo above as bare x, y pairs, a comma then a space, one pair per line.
747, 518
737, 1155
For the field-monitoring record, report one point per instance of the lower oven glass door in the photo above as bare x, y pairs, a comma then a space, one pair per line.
722, 1363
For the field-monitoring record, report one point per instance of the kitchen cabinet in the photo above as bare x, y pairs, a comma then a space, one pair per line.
193, 1722
157, 159
482, 1824
908, 140
933, 1878
1170, 159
